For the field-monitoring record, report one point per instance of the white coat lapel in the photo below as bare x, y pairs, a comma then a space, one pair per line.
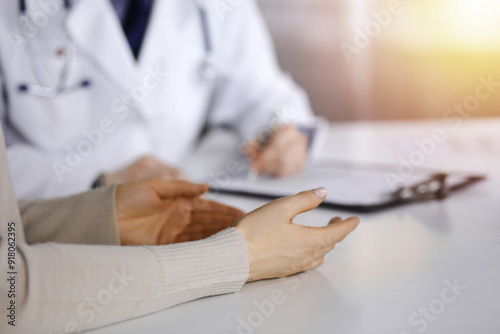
96, 30
160, 33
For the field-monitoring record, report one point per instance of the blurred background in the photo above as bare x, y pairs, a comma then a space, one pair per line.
419, 63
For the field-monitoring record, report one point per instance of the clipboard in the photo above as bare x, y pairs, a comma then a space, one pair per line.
355, 187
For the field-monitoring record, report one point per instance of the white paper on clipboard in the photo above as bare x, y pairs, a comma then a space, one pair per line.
350, 185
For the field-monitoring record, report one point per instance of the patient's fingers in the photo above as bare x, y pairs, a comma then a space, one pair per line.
210, 219
174, 189
203, 205
300, 203
338, 230
335, 220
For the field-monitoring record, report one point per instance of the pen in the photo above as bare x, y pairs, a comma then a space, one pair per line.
263, 140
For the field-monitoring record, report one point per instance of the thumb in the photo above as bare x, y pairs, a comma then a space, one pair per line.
174, 189
302, 202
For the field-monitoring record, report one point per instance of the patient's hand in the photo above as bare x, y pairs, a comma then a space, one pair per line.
158, 212
280, 248
145, 168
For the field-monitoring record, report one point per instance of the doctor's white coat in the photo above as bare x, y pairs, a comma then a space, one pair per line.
157, 105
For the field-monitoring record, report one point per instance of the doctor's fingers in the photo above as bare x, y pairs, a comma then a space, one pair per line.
251, 150
150, 166
269, 159
255, 150
280, 158
169, 173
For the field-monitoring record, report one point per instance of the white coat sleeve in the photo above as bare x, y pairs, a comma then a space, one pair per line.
251, 86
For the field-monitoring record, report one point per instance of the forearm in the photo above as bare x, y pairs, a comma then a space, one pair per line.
87, 218
77, 288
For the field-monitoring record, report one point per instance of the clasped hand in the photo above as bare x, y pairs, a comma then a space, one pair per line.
158, 212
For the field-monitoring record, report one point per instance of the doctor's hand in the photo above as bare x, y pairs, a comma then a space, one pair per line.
158, 212
279, 248
284, 155
145, 168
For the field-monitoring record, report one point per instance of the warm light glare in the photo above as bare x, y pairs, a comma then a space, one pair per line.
473, 22
450, 24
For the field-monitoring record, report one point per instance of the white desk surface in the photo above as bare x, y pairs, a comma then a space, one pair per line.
395, 263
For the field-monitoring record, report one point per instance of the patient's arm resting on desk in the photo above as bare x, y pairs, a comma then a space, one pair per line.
93, 286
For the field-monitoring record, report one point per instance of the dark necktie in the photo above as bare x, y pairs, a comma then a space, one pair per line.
136, 22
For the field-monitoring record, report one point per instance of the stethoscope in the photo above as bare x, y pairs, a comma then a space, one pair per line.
48, 89
208, 69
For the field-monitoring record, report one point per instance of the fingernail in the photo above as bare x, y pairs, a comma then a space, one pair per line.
321, 192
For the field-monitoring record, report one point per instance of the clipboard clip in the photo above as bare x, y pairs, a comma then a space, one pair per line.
432, 189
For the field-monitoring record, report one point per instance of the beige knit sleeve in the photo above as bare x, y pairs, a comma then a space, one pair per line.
66, 288
71, 288
87, 218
